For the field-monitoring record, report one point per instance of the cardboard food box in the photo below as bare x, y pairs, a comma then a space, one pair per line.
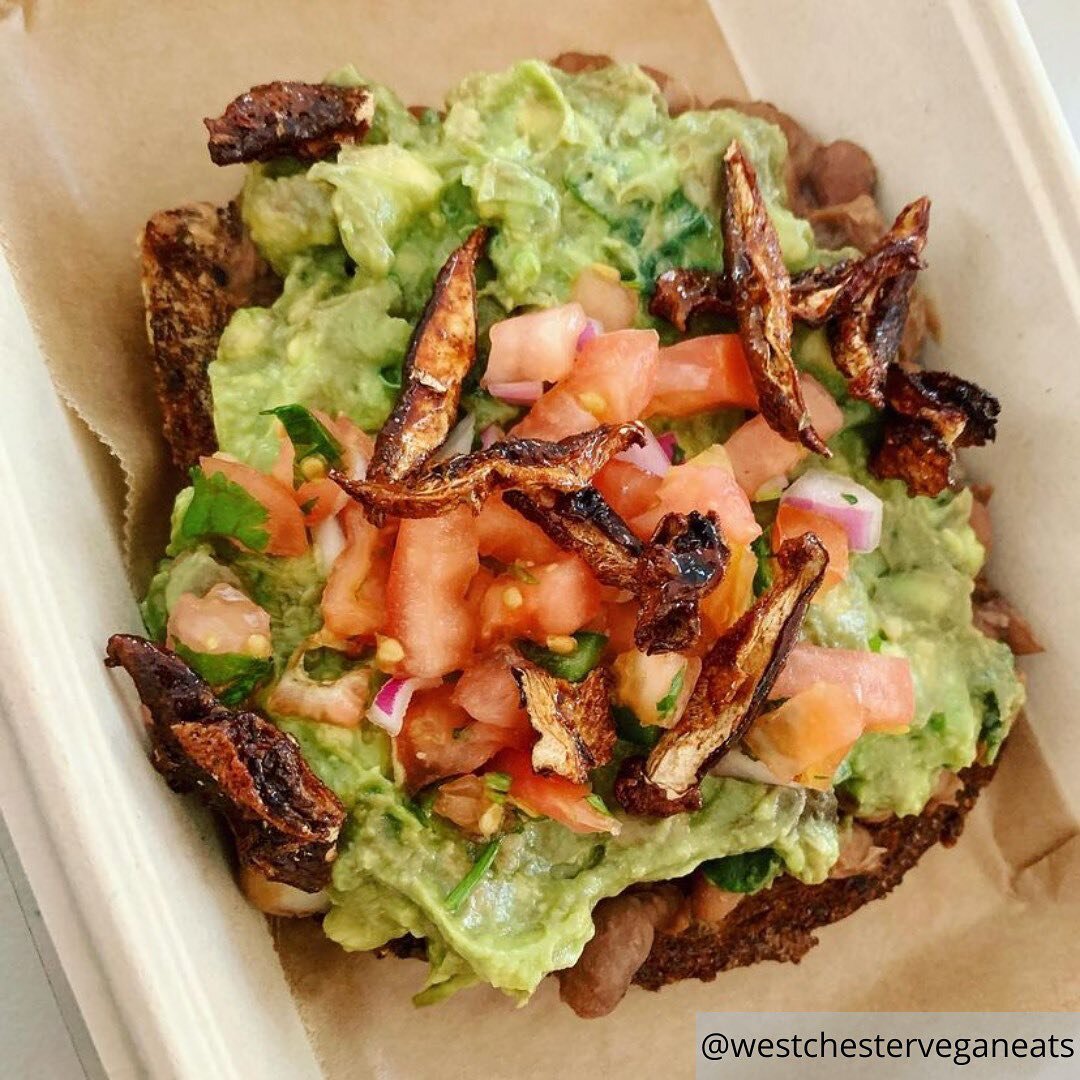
99, 111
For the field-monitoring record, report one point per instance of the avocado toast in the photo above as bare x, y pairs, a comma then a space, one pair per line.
565, 495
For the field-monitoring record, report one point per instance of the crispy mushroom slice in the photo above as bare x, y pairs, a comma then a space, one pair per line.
308, 121
639, 796
468, 479
683, 562
683, 292
761, 290
284, 819
442, 350
930, 414
198, 266
873, 304
577, 733
739, 671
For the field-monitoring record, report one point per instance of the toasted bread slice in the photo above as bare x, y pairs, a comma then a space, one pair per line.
198, 267
779, 923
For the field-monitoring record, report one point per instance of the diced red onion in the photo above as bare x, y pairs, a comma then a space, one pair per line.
855, 508
668, 443
592, 329
328, 542
459, 441
517, 393
651, 457
388, 708
490, 436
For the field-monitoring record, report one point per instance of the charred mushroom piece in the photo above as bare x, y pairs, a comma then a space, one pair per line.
857, 224
284, 819
684, 561
739, 671
930, 414
198, 266
639, 796
873, 304
681, 293
442, 350
761, 290
996, 617
468, 479
577, 733
308, 121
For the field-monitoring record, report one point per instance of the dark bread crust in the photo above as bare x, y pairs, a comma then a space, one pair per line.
779, 923
198, 267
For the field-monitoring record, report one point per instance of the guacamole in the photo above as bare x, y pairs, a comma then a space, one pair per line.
570, 171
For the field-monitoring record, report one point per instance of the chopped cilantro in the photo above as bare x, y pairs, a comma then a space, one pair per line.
746, 873
850, 499
597, 804
308, 434
460, 892
665, 707
875, 643
763, 575
993, 730
220, 507
233, 676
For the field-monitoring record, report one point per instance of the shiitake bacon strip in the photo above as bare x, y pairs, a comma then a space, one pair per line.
577, 732
307, 121
442, 350
929, 415
761, 292
468, 479
738, 672
285, 821
670, 575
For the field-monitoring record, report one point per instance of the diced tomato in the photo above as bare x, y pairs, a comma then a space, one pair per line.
807, 737
539, 346
467, 801
703, 483
599, 290
282, 471
758, 455
552, 796
700, 374
611, 382
342, 702
629, 491
353, 601
488, 692
735, 593
505, 535
223, 621
434, 562
618, 622
356, 444
795, 521
644, 682
439, 739
563, 599
323, 499
284, 522
882, 684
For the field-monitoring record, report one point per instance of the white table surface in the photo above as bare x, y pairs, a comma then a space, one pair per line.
42, 1036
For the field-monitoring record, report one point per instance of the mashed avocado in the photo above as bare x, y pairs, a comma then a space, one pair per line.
571, 171
531, 913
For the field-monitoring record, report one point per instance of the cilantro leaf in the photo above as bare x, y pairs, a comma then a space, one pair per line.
632, 730
232, 676
308, 434
221, 507
460, 892
763, 575
666, 705
851, 500
745, 873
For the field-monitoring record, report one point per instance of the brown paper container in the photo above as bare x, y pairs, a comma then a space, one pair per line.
99, 115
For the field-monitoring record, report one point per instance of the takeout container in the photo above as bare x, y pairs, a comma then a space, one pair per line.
99, 109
